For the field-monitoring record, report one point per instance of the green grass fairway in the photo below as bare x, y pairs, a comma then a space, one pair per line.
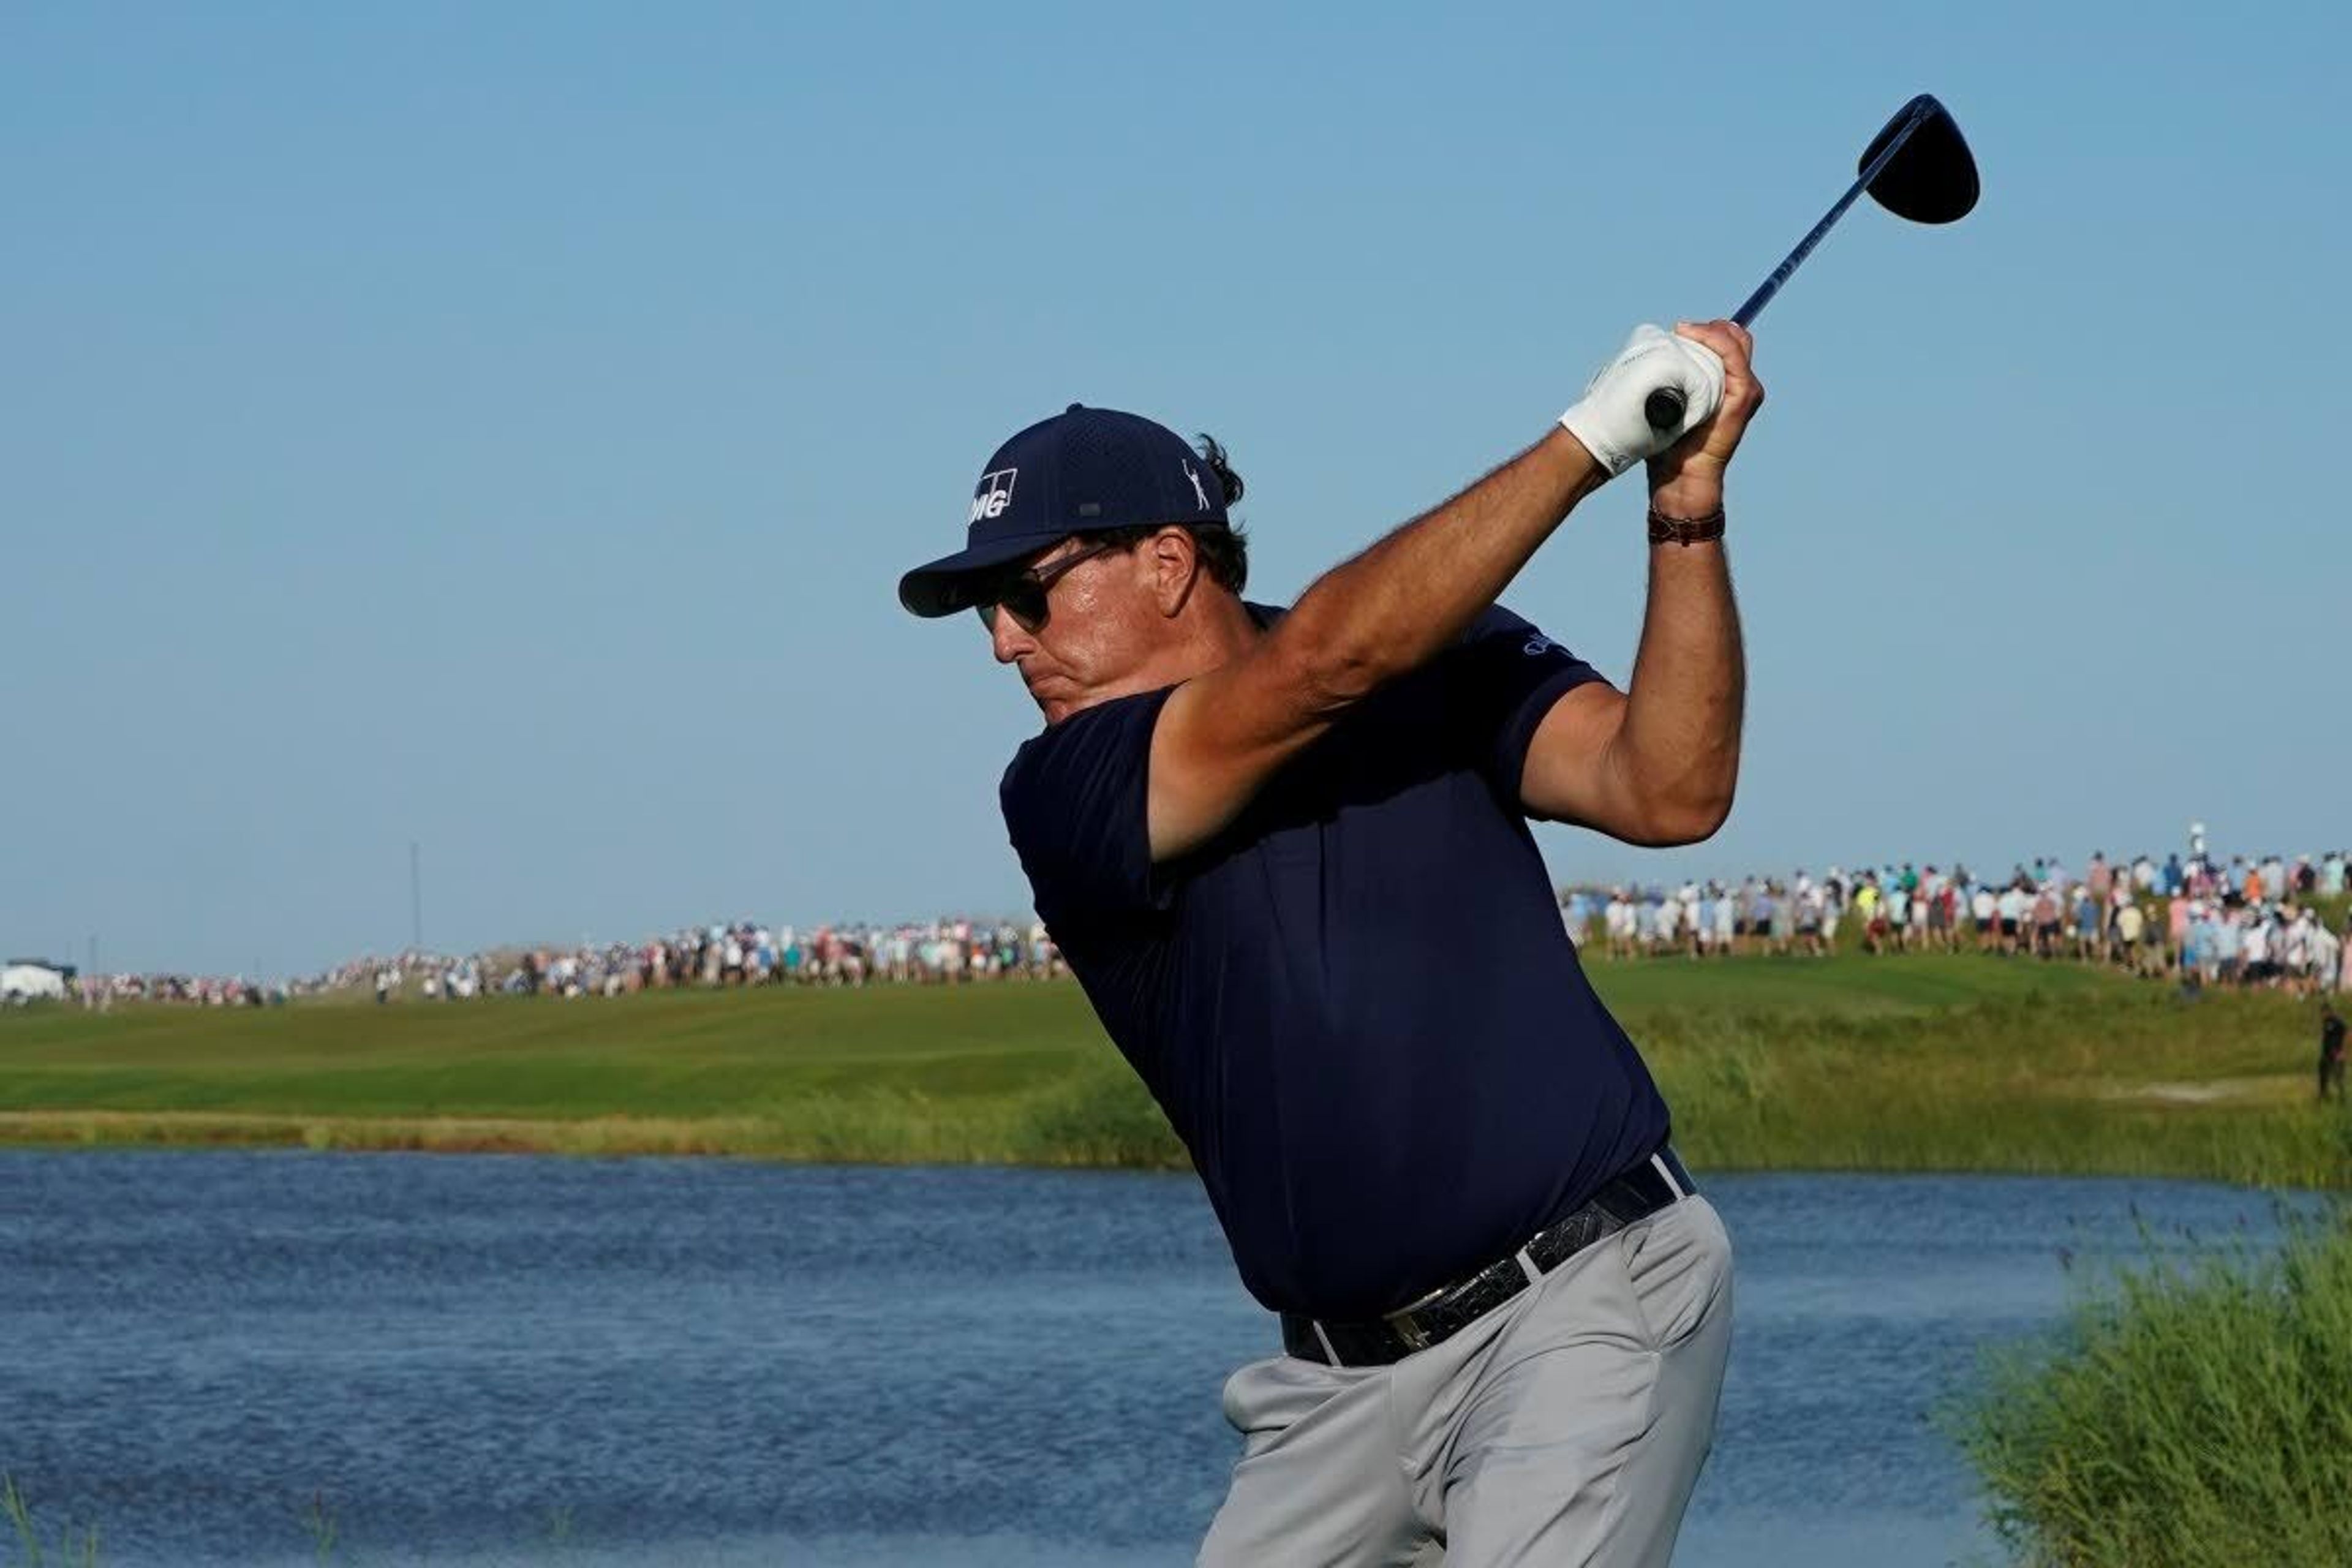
1959, 1063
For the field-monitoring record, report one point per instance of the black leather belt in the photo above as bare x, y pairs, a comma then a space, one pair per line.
1638, 1193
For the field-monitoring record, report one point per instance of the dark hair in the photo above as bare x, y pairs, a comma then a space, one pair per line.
1223, 551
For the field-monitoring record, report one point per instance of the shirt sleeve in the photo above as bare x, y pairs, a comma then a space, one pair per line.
1076, 804
1503, 677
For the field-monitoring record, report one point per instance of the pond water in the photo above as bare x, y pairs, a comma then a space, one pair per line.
270, 1358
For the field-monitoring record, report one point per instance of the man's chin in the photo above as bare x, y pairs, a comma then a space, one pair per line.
1063, 700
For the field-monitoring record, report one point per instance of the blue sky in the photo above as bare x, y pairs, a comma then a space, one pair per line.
501, 427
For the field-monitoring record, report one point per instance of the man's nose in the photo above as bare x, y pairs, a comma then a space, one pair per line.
1006, 638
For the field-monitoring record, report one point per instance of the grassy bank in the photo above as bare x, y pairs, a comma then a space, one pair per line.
1927, 1063
2198, 1415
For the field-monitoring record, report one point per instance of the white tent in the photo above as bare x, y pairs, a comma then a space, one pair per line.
31, 980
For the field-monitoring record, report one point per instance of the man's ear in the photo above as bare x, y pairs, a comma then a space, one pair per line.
1175, 564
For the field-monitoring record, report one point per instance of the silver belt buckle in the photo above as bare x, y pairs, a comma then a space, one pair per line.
1406, 1327
1414, 1336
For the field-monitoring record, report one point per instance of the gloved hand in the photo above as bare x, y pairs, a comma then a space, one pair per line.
1612, 421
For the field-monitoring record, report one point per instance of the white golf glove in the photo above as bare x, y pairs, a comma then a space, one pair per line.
1613, 420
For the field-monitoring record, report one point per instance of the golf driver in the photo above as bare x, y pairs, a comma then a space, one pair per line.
1918, 167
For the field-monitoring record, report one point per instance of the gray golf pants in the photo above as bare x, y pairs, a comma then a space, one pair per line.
1566, 1427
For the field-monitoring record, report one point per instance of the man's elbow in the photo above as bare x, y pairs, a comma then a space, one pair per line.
1333, 673
1695, 819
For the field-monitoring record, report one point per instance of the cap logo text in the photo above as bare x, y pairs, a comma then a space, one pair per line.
996, 493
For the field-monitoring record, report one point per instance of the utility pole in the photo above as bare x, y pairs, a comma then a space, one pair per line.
416, 901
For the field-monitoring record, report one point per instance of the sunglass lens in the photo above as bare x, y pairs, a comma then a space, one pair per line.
1026, 597
1022, 595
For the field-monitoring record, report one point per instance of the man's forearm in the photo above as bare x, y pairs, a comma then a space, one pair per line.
1677, 747
1389, 610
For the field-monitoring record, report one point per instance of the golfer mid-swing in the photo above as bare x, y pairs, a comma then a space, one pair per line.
1286, 854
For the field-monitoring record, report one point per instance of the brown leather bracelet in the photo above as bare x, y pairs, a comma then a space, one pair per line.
1665, 529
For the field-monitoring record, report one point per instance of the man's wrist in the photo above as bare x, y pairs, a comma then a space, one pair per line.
1683, 497
1691, 487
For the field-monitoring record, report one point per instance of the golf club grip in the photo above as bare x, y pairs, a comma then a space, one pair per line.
1664, 408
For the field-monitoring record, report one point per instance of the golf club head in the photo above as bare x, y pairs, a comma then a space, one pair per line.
1933, 178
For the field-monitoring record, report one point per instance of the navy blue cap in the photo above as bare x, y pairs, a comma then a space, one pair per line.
1082, 471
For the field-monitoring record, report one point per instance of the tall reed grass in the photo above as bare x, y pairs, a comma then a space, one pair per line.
2194, 1415
74, 1550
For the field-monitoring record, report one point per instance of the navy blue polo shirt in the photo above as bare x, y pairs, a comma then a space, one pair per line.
1357, 1006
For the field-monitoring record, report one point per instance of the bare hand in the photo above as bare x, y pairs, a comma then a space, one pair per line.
1687, 479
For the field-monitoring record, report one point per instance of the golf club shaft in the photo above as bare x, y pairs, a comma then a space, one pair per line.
1664, 407
1754, 305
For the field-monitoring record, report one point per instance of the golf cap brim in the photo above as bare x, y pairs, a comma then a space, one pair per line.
953, 582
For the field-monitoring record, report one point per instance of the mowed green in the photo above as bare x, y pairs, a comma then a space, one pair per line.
1914, 1063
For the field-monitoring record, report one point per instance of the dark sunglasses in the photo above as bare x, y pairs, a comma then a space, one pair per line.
1023, 593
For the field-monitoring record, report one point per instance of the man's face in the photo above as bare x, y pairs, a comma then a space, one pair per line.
1102, 623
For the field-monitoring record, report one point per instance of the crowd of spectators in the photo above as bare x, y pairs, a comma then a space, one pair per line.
945, 952
2253, 921
191, 989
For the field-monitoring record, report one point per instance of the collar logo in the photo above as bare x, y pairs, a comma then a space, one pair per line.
995, 494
